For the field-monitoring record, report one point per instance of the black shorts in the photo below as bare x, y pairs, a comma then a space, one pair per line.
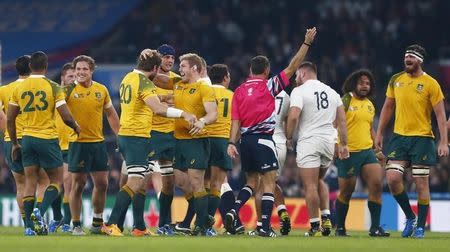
258, 153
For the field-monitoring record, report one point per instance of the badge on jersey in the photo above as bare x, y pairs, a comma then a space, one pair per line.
419, 87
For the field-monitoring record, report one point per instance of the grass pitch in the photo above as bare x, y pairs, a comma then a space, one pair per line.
12, 239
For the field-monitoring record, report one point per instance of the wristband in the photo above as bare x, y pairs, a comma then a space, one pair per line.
232, 144
306, 44
173, 112
202, 120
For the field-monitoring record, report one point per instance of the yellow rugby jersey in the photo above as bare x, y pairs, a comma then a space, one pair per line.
190, 98
161, 123
359, 115
222, 127
36, 97
87, 105
64, 132
136, 116
5, 95
414, 102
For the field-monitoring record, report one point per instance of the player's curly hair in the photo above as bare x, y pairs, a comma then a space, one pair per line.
352, 80
148, 63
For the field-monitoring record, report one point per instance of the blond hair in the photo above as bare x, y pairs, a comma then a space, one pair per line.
194, 60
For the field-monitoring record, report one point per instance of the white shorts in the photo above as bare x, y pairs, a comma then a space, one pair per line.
281, 155
314, 152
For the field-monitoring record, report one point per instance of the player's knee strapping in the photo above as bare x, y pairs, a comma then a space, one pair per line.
124, 168
153, 166
395, 167
137, 170
420, 170
166, 170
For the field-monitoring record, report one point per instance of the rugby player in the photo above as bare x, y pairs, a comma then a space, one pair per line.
413, 94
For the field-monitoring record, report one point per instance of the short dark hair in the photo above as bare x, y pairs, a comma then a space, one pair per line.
417, 48
66, 67
259, 64
84, 58
309, 65
23, 65
148, 64
38, 61
218, 72
352, 80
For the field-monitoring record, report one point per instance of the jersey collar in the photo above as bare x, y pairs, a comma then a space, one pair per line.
37, 76
138, 71
218, 86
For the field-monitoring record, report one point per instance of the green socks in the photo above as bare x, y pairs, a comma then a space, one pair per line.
50, 195
138, 210
213, 202
28, 205
375, 212
423, 206
165, 202
403, 200
123, 200
341, 212
67, 213
56, 207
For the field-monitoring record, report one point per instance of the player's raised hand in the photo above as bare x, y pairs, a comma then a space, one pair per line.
442, 150
232, 151
145, 53
310, 35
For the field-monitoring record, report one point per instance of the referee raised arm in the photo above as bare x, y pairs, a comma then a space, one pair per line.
253, 115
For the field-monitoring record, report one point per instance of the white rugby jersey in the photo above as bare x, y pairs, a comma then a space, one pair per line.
318, 103
282, 103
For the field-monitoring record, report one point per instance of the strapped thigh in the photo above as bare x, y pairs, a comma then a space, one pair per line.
138, 170
395, 167
420, 170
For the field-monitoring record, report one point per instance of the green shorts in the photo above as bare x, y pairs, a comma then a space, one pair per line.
134, 150
88, 157
65, 155
42, 152
15, 166
219, 156
417, 150
192, 154
352, 166
162, 146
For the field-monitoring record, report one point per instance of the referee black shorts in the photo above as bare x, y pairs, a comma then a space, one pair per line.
258, 153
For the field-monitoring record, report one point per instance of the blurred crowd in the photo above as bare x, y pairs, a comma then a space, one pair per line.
351, 35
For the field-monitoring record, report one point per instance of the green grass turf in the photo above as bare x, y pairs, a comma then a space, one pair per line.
12, 239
